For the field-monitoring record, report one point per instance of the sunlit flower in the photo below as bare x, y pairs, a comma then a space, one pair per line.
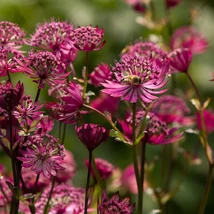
42, 154
114, 205
137, 78
43, 67
92, 135
12, 36
104, 168
189, 37
53, 36
180, 59
87, 38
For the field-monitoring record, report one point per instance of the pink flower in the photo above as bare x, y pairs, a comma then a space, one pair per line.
180, 59
189, 37
209, 120
42, 155
87, 38
52, 36
172, 109
11, 35
104, 102
44, 67
92, 135
45, 125
99, 75
104, 168
137, 5
114, 205
136, 78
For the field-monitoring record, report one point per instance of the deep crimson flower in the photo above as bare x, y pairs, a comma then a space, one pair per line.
11, 35
180, 59
189, 37
87, 38
53, 36
172, 109
104, 168
104, 102
10, 96
144, 49
114, 205
44, 67
92, 135
137, 5
137, 78
172, 3
99, 75
42, 155
208, 119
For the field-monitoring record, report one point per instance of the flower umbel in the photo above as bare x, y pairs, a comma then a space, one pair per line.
136, 78
92, 135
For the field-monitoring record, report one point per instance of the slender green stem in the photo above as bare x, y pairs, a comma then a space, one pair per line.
96, 173
207, 189
46, 209
135, 162
88, 182
86, 75
63, 134
60, 129
8, 75
37, 94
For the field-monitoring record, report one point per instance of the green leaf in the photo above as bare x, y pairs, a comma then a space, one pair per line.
6, 142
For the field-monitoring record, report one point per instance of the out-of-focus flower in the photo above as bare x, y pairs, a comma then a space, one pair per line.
104, 102
69, 166
208, 119
172, 109
53, 36
27, 111
172, 3
104, 168
10, 96
135, 77
189, 37
144, 49
42, 155
138, 5
87, 38
99, 75
92, 135
114, 205
12, 36
45, 125
128, 180
44, 67
180, 59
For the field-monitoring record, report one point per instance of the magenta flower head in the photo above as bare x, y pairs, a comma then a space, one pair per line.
208, 119
99, 75
189, 37
144, 49
114, 205
11, 35
172, 109
51, 36
137, 5
10, 96
104, 168
135, 77
87, 38
172, 3
180, 59
44, 67
42, 154
92, 135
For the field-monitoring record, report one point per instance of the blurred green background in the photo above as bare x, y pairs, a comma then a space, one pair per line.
118, 21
